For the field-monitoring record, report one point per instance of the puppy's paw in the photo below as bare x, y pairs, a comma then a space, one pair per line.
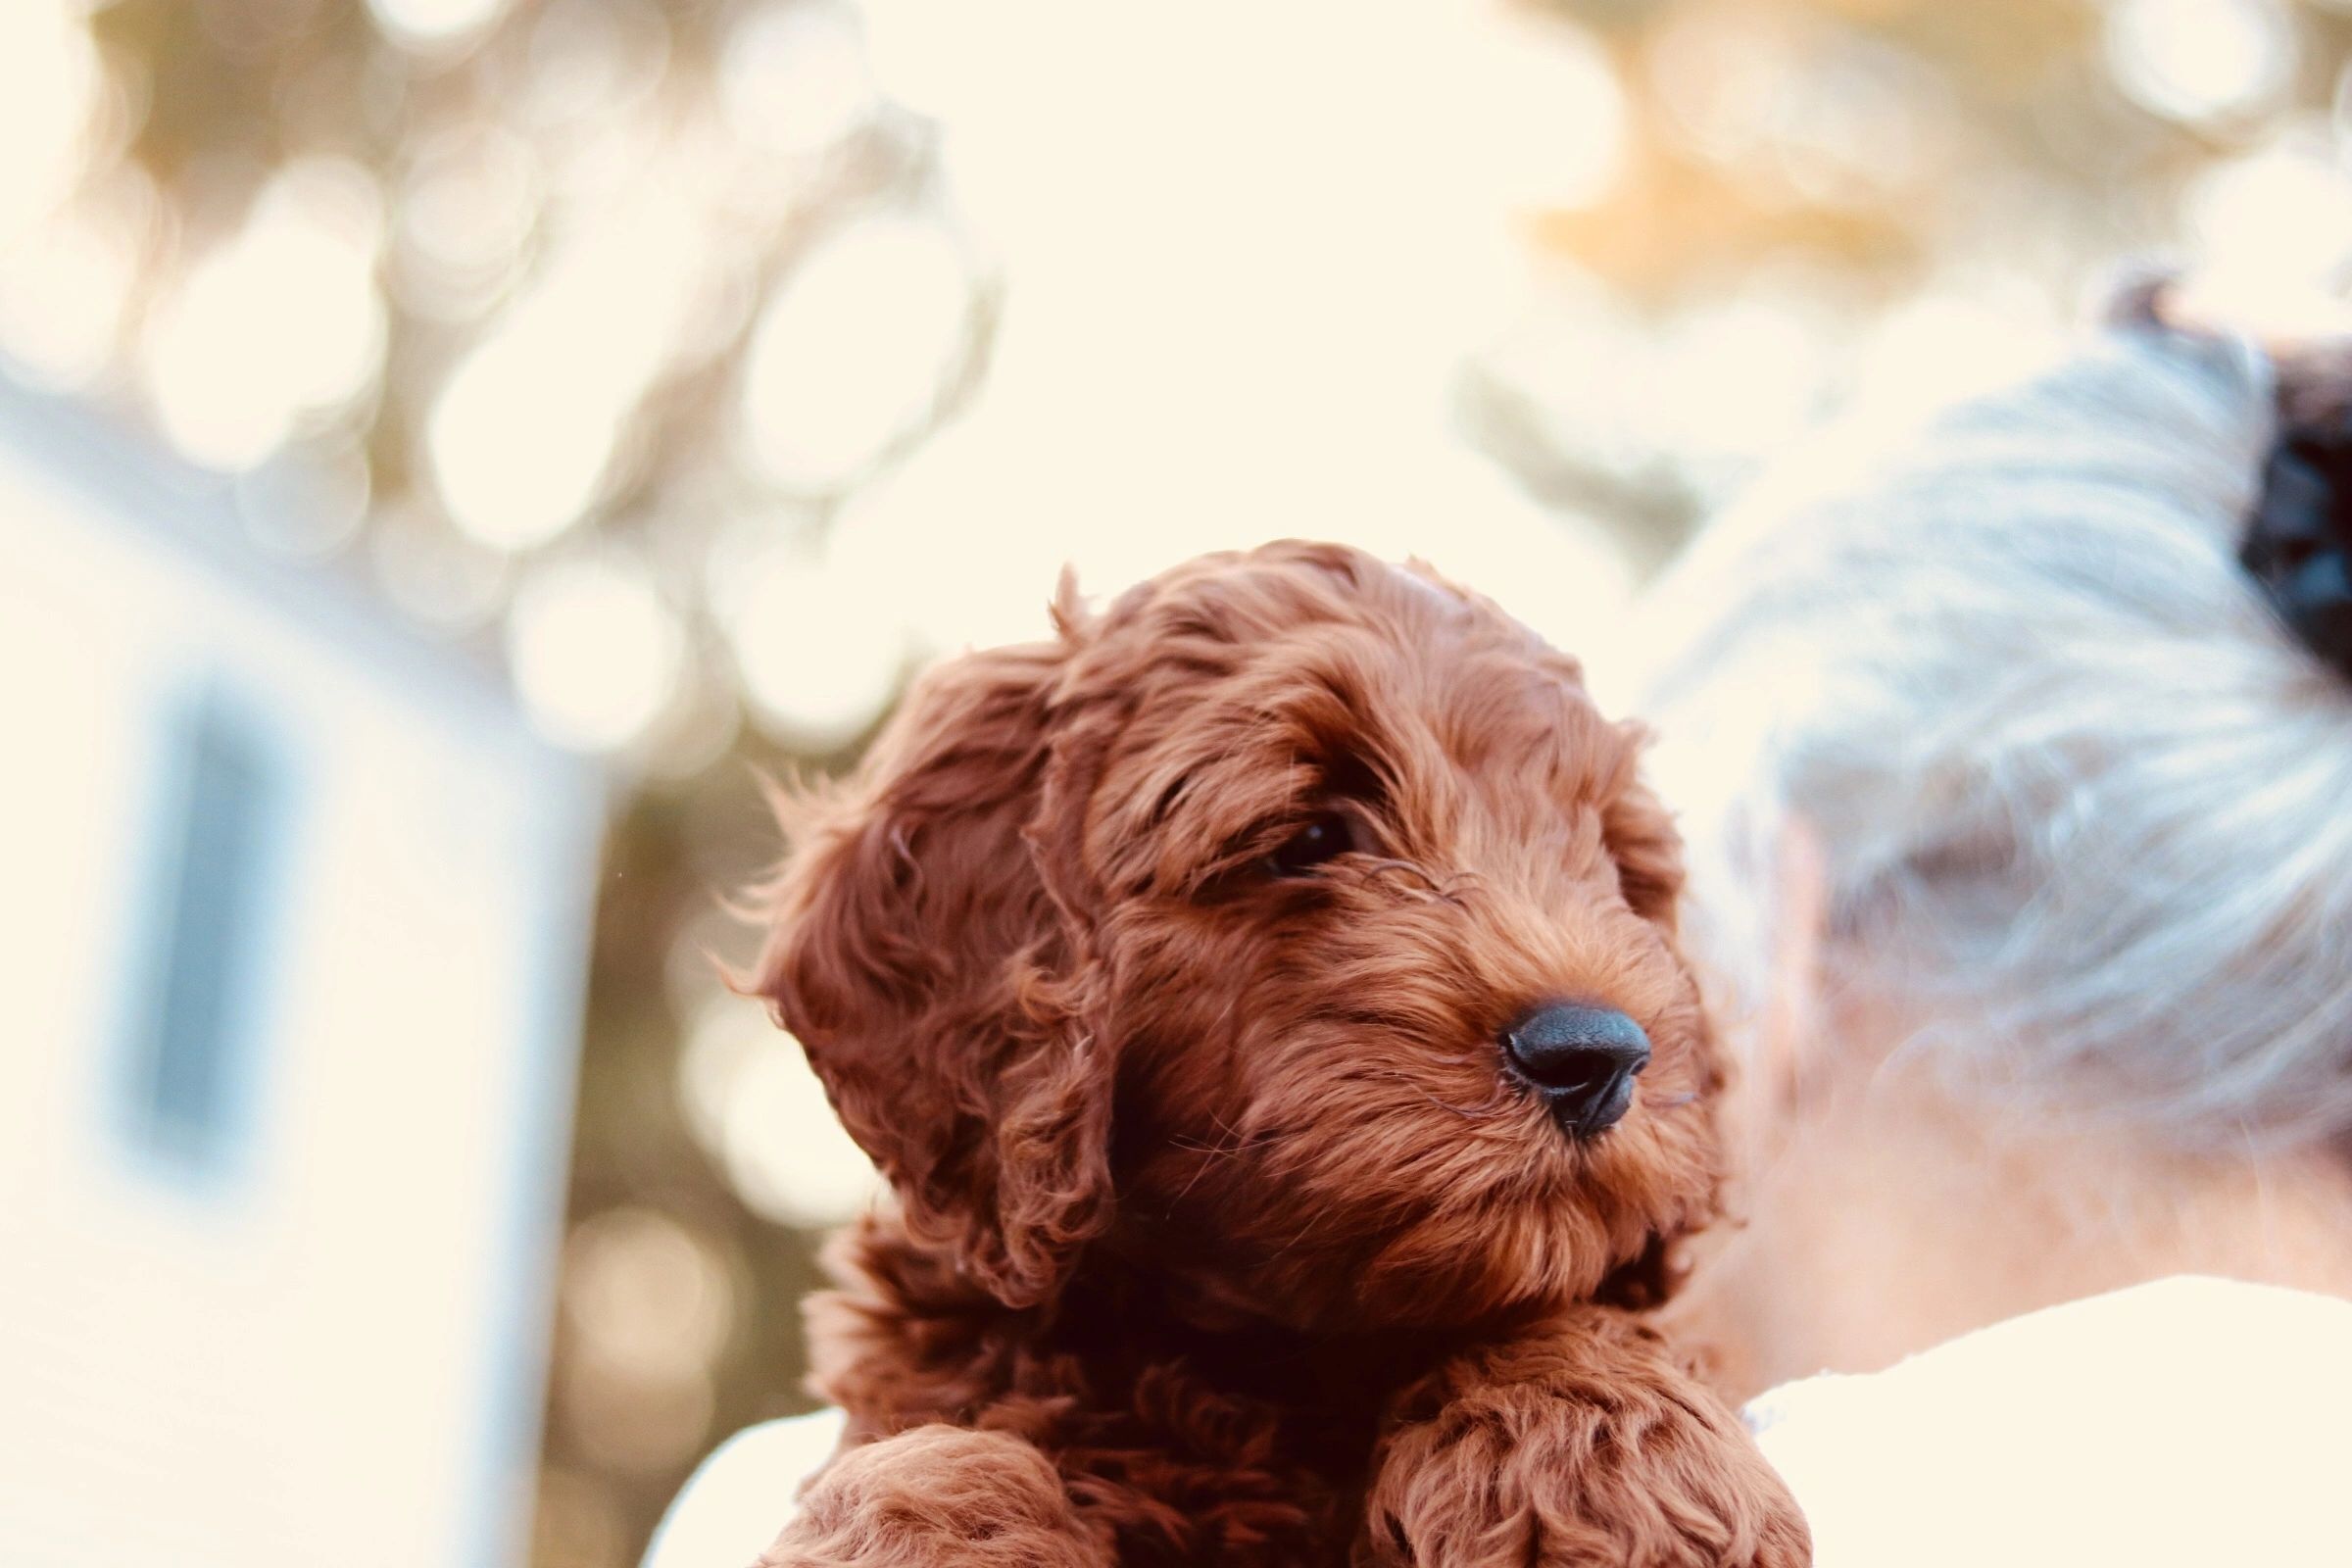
1554, 1456
934, 1496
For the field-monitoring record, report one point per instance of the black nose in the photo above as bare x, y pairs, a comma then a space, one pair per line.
1581, 1061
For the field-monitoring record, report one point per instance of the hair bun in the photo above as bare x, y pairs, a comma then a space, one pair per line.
2299, 543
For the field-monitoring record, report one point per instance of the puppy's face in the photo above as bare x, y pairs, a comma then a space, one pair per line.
1336, 981
1384, 914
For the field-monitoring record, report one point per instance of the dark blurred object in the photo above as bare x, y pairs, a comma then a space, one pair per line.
2299, 543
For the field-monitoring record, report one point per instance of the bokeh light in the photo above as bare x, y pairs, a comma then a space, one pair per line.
435, 21
467, 212
65, 291
850, 355
280, 321
821, 652
2276, 216
590, 64
594, 649
2201, 60
795, 78
521, 439
755, 1104
46, 113
643, 1293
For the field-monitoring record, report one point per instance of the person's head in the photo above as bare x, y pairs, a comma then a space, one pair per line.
1985, 740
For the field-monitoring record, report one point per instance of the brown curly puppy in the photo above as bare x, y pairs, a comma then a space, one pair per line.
1264, 1002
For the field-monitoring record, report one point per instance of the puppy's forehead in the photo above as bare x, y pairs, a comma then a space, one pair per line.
1342, 654
1290, 595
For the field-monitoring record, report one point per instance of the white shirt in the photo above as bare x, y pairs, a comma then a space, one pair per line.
2192, 1421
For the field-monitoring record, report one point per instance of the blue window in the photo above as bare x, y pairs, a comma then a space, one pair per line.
208, 889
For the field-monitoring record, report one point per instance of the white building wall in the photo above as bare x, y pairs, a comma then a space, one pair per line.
319, 1341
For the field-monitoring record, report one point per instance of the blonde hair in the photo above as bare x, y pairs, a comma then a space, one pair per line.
2078, 793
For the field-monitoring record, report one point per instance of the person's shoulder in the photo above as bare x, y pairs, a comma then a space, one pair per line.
739, 1498
2188, 1420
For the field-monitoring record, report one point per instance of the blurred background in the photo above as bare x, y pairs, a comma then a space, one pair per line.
449, 447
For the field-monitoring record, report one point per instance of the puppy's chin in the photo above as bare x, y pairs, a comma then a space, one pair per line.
1379, 1252
1423, 1280
1520, 1258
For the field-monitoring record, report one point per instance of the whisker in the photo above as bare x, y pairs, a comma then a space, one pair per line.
1232, 1151
1466, 1112
1194, 1145
1499, 1101
1459, 885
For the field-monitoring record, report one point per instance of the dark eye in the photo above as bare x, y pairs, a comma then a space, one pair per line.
1321, 839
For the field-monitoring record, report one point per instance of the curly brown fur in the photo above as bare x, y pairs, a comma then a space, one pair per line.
984, 1498
1213, 1189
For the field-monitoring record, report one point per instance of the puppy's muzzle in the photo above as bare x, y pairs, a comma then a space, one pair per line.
1583, 1060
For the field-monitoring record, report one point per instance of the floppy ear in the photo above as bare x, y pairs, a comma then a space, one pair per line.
938, 983
1642, 840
